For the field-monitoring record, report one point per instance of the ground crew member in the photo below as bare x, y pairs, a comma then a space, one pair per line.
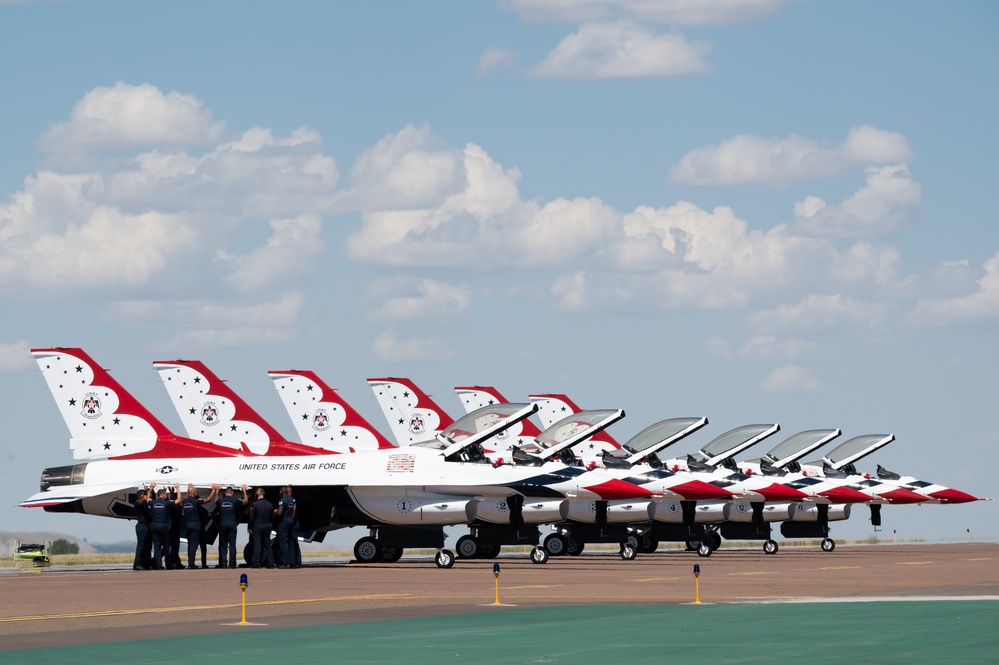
143, 536
228, 508
160, 510
259, 527
176, 517
190, 508
286, 528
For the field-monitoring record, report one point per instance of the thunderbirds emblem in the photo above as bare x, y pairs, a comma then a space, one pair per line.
320, 420
416, 425
209, 414
91, 406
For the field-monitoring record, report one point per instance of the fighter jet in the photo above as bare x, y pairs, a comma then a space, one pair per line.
126, 447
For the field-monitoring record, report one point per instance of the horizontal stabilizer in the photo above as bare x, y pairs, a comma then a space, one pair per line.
66, 493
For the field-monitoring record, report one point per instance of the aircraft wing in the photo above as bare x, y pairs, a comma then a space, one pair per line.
67, 493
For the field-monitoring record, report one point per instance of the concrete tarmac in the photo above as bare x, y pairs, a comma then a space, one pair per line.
80, 605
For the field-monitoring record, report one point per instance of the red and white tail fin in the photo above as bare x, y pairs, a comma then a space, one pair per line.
322, 417
554, 407
212, 411
476, 397
411, 414
103, 418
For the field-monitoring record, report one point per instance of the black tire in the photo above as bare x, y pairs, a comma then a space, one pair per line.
714, 540
489, 551
828, 544
648, 545
391, 554
367, 550
539, 555
692, 545
704, 550
555, 544
444, 559
770, 547
628, 553
572, 548
631, 540
467, 547
248, 553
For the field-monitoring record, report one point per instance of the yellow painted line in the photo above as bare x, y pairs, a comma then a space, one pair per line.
534, 586
839, 567
755, 572
914, 563
984, 558
162, 610
655, 579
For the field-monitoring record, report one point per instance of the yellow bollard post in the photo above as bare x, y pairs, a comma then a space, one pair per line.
697, 586
243, 583
496, 572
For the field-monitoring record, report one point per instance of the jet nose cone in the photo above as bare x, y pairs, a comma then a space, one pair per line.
901, 495
778, 492
698, 490
845, 495
619, 489
950, 495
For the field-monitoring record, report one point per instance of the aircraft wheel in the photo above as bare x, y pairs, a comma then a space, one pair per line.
628, 553
573, 548
714, 540
539, 555
631, 540
770, 547
367, 550
467, 547
648, 546
693, 545
704, 550
828, 544
489, 551
391, 554
248, 553
555, 545
444, 559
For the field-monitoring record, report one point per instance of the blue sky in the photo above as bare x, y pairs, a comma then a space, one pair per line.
751, 210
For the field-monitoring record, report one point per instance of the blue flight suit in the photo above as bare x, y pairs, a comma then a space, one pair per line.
176, 516
228, 507
261, 515
143, 537
191, 509
159, 521
286, 531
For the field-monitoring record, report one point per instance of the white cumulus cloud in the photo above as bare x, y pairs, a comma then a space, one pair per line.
749, 159
124, 117
622, 50
980, 305
405, 298
884, 205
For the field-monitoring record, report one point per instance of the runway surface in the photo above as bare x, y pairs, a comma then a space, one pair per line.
75, 606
